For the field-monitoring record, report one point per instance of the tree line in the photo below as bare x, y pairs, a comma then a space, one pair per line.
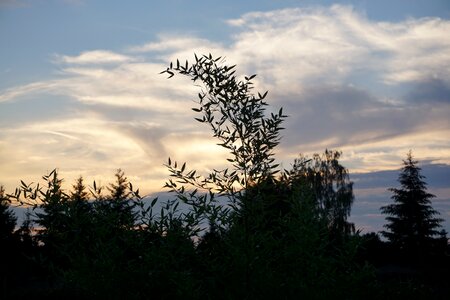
250, 231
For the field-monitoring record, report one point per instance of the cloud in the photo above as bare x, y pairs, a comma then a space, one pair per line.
92, 147
346, 81
27, 89
122, 84
331, 43
352, 83
431, 90
438, 176
175, 43
121, 115
329, 113
94, 57
147, 136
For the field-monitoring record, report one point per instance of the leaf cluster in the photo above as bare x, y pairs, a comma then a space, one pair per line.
237, 119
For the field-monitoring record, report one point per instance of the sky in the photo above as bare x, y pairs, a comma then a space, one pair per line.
80, 88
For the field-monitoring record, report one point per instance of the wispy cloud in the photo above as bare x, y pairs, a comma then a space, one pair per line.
95, 57
15, 93
331, 43
175, 43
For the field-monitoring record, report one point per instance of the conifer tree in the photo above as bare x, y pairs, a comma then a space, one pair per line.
412, 223
79, 193
79, 205
118, 207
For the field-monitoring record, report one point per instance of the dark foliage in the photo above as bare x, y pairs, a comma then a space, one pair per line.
7, 218
331, 188
412, 227
249, 231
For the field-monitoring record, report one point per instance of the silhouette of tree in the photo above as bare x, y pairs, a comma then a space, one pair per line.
79, 193
79, 207
117, 207
25, 234
50, 211
268, 240
7, 218
331, 188
120, 189
238, 119
412, 225
7, 240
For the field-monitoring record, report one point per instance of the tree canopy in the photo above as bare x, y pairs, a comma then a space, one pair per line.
412, 223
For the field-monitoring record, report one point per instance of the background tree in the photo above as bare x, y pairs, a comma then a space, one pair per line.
412, 226
331, 188
7, 218
80, 210
79, 194
25, 234
117, 207
50, 211
7, 241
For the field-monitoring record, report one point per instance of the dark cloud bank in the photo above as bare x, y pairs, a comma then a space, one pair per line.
346, 115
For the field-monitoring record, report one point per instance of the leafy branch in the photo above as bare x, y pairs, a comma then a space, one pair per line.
237, 118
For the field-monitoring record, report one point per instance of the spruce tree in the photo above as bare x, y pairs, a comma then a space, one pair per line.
79, 205
412, 223
117, 208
